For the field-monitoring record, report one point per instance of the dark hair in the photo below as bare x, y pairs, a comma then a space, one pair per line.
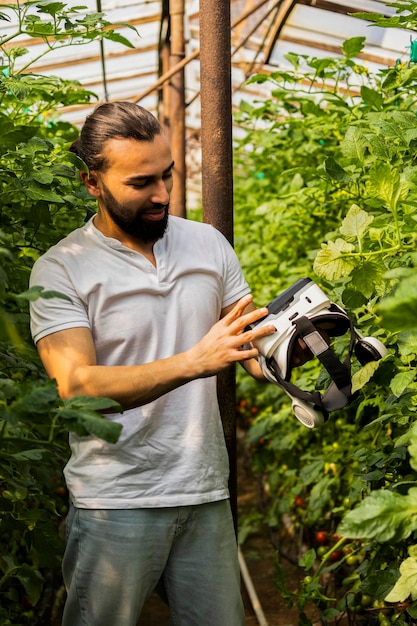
111, 120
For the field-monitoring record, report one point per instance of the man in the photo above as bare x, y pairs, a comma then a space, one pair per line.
158, 306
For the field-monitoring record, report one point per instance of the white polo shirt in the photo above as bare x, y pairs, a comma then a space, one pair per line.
171, 452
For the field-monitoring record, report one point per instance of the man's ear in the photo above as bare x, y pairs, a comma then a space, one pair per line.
90, 181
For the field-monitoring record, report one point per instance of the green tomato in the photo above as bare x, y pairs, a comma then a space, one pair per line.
351, 559
322, 550
366, 600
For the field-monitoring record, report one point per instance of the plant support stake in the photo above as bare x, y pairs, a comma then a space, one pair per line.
256, 605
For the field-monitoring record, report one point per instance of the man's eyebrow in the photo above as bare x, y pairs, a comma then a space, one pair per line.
147, 176
170, 167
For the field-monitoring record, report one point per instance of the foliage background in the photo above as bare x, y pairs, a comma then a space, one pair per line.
331, 154
40, 202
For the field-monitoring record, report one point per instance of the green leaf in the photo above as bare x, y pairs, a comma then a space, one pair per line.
401, 381
16, 87
384, 183
308, 559
412, 610
332, 261
32, 581
369, 17
367, 279
37, 400
407, 342
372, 98
113, 36
51, 8
380, 583
81, 416
335, 171
364, 375
399, 311
44, 176
95, 404
406, 585
356, 223
354, 144
35, 192
28, 455
258, 79
353, 298
353, 46
40, 29
100, 427
380, 147
330, 614
36, 291
384, 516
412, 448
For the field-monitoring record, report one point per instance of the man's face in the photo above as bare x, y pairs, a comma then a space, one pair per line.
135, 188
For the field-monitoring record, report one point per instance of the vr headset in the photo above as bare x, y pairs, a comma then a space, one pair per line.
303, 311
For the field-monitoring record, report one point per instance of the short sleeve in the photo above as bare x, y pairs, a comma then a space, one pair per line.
51, 314
235, 285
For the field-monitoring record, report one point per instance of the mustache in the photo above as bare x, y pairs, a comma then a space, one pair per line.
157, 205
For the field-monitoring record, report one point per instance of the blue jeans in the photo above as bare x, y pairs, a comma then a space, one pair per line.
114, 559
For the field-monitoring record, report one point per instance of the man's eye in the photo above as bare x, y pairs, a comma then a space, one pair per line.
140, 185
167, 175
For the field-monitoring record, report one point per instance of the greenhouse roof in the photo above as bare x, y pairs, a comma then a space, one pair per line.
263, 33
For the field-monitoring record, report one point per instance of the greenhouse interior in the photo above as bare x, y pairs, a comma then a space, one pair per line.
288, 132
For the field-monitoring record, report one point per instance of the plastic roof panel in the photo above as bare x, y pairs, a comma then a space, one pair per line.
312, 30
311, 27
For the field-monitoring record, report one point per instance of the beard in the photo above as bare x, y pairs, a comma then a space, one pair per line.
135, 225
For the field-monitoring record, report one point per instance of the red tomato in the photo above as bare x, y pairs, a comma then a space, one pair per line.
322, 538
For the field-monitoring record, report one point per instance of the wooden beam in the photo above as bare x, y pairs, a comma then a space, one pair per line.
328, 5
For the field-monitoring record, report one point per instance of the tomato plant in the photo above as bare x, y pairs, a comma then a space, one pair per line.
331, 154
40, 202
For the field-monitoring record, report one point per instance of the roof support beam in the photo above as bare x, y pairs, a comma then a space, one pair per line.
283, 13
288, 5
335, 7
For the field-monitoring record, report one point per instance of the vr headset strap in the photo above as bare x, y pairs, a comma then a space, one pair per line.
294, 391
339, 372
339, 393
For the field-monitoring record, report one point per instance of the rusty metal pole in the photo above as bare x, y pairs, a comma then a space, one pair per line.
216, 114
164, 96
177, 107
217, 172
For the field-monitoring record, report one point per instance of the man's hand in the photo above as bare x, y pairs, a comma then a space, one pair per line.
228, 342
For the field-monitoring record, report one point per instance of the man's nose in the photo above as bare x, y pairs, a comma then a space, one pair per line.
160, 192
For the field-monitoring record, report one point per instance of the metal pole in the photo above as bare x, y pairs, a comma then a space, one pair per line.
216, 115
177, 107
217, 172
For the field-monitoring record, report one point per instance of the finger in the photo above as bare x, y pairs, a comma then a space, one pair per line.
245, 318
239, 308
257, 332
248, 352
